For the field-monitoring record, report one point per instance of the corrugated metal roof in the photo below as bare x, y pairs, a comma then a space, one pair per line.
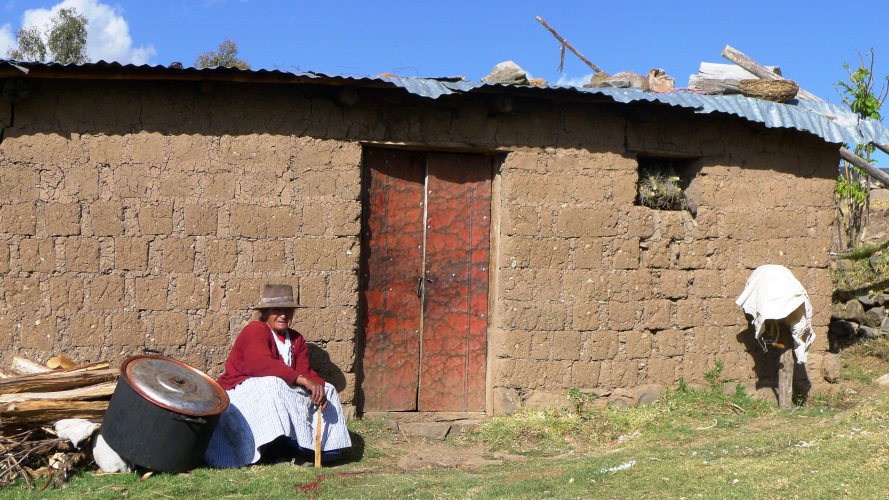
830, 122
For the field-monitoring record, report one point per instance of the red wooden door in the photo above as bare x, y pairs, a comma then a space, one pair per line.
425, 287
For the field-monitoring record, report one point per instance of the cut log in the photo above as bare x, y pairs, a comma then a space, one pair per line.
24, 366
56, 381
759, 70
97, 391
61, 361
37, 412
715, 78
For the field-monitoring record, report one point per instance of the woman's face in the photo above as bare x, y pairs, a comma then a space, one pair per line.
279, 318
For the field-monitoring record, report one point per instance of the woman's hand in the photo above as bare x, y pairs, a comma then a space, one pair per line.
318, 396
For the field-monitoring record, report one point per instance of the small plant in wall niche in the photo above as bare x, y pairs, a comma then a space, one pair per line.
662, 182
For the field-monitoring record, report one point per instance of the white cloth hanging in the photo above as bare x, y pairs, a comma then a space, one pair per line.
772, 292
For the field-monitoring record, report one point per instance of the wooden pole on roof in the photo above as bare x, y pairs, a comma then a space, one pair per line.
759, 70
572, 49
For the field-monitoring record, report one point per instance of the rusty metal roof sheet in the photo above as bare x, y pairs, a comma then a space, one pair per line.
830, 122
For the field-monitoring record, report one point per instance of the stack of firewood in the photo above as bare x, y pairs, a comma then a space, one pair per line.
33, 398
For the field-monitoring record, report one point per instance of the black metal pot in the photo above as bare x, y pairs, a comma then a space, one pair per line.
162, 414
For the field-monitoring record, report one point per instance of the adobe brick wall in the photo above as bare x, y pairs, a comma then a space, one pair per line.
147, 215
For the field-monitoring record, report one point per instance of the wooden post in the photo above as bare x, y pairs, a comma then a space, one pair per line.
859, 162
572, 49
785, 371
759, 70
318, 424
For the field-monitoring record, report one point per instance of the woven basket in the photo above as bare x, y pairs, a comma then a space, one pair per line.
770, 90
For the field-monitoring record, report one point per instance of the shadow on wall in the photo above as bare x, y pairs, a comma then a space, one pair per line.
765, 364
320, 361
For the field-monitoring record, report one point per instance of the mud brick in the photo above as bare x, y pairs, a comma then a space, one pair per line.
66, 293
249, 221
179, 255
586, 222
343, 289
724, 312
517, 284
325, 255
152, 293
690, 312
640, 223
170, 329
244, 293
9, 330
315, 217
659, 254
127, 330
81, 254
622, 315
600, 345
4, 257
586, 316
520, 220
37, 255
107, 218
656, 314
510, 344
131, 181
339, 354
191, 292
214, 330
626, 254
19, 184
566, 346
619, 374
706, 284
81, 183
313, 291
704, 340
585, 375
18, 219
156, 219
217, 293
663, 372
221, 256
673, 284
269, 256
540, 346
131, 254
41, 333
220, 186
62, 219
107, 292
284, 222
694, 255
176, 184
345, 218
669, 343
637, 344
201, 219
23, 294
86, 330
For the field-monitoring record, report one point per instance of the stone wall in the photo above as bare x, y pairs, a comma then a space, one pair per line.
141, 216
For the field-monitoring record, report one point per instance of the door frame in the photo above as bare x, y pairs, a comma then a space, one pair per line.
497, 157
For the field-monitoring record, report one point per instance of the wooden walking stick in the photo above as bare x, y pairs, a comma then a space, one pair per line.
318, 424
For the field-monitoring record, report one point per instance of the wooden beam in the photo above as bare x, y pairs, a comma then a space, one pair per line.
871, 170
56, 381
759, 70
97, 391
570, 47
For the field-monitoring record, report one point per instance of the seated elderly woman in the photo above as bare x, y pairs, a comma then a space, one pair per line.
274, 393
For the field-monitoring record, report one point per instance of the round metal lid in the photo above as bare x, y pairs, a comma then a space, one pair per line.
174, 385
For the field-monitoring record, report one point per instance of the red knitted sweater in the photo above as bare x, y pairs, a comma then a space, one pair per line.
255, 355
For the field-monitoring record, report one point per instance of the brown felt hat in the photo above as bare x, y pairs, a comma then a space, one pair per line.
280, 296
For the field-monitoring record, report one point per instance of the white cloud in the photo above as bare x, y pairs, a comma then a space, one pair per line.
108, 36
574, 81
7, 39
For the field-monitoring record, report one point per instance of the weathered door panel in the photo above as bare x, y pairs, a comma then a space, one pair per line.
393, 260
454, 348
426, 353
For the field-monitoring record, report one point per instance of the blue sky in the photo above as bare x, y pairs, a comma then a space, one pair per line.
809, 40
